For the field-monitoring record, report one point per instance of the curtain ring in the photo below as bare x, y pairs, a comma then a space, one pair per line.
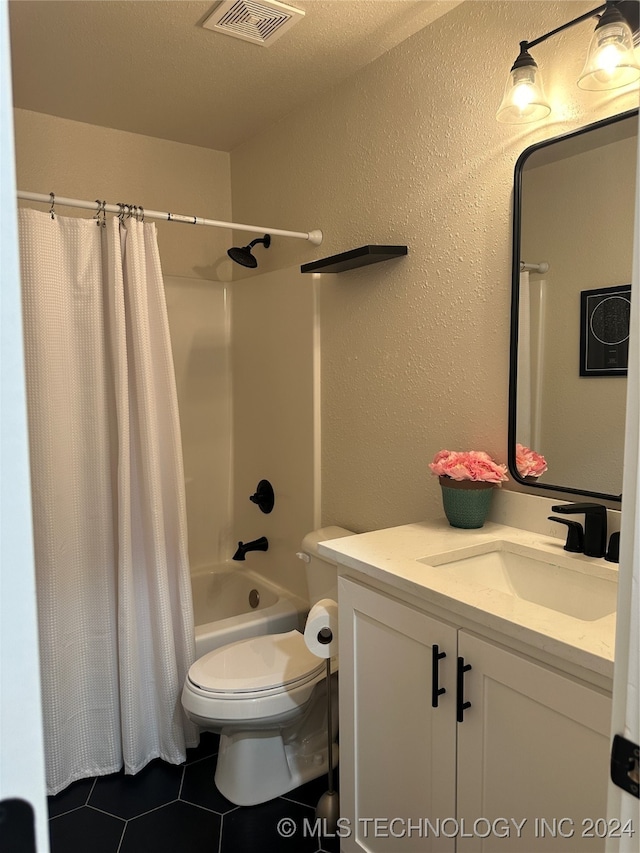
52, 198
120, 212
104, 213
129, 211
141, 213
97, 213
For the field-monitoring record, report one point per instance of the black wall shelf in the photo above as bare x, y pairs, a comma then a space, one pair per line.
355, 258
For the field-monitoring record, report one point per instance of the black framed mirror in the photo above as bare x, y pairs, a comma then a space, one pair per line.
573, 222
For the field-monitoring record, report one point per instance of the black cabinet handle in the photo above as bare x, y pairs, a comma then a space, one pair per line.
436, 690
460, 703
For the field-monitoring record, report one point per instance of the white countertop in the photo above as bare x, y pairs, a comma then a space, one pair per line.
392, 557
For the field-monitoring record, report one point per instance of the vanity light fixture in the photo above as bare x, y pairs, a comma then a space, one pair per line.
524, 98
611, 62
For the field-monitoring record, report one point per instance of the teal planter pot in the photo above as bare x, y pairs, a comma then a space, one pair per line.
466, 502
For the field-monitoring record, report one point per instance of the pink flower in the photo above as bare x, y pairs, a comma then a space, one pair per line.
468, 465
528, 462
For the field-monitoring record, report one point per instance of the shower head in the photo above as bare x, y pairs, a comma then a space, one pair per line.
242, 254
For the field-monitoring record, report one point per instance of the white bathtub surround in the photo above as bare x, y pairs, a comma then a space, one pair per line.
276, 417
232, 603
114, 595
200, 326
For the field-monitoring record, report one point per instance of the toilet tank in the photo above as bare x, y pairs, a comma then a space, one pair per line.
322, 572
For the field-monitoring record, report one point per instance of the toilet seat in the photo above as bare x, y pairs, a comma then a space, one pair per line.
263, 682
256, 667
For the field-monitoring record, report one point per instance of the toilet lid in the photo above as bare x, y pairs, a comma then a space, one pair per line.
259, 663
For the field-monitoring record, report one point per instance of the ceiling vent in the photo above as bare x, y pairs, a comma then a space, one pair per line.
259, 22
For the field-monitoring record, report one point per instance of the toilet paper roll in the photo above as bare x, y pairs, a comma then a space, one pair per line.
321, 630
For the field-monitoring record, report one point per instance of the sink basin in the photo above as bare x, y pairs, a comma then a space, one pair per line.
550, 580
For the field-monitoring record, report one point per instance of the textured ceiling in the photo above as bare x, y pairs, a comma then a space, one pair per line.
149, 67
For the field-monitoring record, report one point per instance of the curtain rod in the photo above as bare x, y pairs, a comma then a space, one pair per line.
541, 268
314, 237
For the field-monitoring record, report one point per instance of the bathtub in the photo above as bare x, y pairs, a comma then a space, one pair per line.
232, 602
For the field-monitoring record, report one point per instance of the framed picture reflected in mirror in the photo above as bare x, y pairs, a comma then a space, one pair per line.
604, 331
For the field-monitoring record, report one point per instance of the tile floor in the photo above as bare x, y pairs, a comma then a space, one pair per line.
177, 809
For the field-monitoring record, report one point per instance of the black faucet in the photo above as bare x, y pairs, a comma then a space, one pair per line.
261, 544
575, 536
613, 551
595, 525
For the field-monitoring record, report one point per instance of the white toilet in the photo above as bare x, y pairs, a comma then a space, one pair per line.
267, 698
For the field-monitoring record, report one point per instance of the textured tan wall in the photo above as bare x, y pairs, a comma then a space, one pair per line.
83, 161
414, 351
80, 160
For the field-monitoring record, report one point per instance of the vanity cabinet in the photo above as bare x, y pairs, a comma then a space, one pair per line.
532, 743
397, 752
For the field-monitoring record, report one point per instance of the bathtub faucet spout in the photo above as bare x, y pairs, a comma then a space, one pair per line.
261, 544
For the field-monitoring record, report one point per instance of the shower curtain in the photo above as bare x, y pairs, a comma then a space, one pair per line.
530, 361
112, 575
524, 413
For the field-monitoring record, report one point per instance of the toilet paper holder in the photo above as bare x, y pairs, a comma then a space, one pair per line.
325, 636
322, 640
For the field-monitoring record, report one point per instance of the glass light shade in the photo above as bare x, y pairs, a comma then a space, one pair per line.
611, 61
524, 99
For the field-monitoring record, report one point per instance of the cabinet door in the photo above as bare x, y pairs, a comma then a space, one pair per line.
397, 752
533, 745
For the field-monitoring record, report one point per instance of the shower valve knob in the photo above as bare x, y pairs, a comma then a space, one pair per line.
264, 496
